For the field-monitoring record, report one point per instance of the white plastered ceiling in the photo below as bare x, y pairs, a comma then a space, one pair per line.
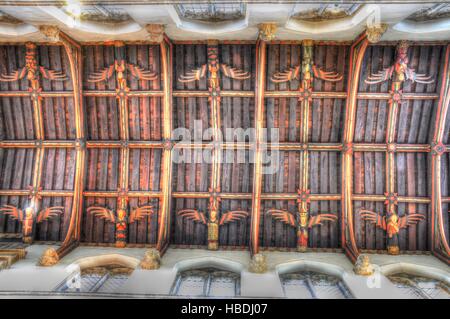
245, 28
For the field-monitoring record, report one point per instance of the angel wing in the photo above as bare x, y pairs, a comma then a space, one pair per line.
49, 213
193, 214
140, 212
193, 75
283, 215
232, 216
317, 220
291, 74
102, 212
330, 76
99, 76
234, 73
380, 76
142, 74
411, 219
14, 76
373, 218
52, 75
14, 212
419, 78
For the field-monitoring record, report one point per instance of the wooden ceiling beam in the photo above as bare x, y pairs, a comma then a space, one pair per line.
166, 50
96, 93
44, 94
130, 194
71, 240
259, 123
357, 52
284, 146
439, 241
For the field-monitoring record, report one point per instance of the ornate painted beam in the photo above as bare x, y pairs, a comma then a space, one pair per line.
129, 94
166, 165
259, 122
285, 146
73, 51
42, 94
439, 241
214, 101
348, 235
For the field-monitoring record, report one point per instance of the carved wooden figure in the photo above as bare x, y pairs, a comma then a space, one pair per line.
28, 217
391, 222
121, 219
301, 221
213, 222
307, 70
32, 70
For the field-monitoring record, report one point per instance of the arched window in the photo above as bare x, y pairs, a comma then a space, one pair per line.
105, 279
421, 287
207, 282
312, 285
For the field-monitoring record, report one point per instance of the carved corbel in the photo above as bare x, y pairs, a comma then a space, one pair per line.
49, 258
258, 264
151, 260
375, 32
267, 31
363, 267
155, 32
51, 32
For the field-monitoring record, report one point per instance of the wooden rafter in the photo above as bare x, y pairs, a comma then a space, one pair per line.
439, 242
228, 93
348, 236
166, 165
259, 122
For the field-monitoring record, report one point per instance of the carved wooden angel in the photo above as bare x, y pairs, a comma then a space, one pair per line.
27, 218
31, 69
392, 224
199, 73
302, 224
121, 220
399, 71
212, 222
119, 68
306, 71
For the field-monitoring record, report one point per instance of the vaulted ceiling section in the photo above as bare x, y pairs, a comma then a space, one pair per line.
350, 156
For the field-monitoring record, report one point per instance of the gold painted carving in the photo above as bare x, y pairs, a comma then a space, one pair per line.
363, 267
258, 264
151, 260
155, 32
267, 31
49, 258
375, 32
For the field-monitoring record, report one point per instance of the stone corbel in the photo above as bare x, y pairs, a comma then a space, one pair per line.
375, 32
155, 32
267, 31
